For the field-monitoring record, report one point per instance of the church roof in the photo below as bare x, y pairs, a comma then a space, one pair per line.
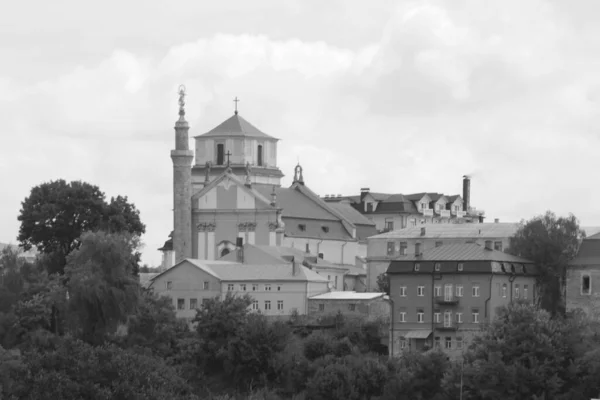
350, 212
236, 126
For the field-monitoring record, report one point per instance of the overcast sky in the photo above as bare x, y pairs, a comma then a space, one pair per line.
393, 95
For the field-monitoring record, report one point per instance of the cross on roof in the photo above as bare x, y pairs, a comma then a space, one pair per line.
236, 101
228, 154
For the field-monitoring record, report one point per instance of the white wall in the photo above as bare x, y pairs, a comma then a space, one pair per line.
334, 251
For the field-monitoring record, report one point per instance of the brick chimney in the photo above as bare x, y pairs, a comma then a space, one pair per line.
467, 192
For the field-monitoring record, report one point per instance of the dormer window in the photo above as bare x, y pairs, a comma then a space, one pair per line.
460, 266
369, 207
325, 229
424, 206
438, 267
417, 267
302, 227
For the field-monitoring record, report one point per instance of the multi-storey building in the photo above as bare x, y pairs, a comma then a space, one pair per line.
583, 279
277, 290
397, 211
441, 297
409, 241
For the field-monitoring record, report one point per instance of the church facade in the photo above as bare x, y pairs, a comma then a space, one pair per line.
228, 193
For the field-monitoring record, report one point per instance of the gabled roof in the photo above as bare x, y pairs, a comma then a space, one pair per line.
351, 214
237, 181
440, 231
589, 252
463, 252
281, 254
236, 126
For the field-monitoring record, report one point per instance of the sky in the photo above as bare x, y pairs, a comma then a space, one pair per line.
397, 96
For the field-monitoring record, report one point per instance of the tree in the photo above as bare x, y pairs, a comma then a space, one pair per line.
383, 283
57, 213
102, 290
549, 242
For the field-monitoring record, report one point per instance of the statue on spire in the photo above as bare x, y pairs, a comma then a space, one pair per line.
181, 100
298, 175
207, 170
248, 172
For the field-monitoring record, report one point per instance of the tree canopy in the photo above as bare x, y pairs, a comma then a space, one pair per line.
55, 215
551, 242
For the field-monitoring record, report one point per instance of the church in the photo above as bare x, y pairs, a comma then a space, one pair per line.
227, 192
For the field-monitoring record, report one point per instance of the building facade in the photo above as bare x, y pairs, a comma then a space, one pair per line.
371, 306
583, 279
390, 212
276, 290
383, 248
441, 298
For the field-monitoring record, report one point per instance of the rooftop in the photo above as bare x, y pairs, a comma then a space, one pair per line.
589, 252
350, 213
482, 230
463, 252
236, 126
348, 296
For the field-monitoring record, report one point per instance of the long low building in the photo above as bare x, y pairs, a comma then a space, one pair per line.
372, 305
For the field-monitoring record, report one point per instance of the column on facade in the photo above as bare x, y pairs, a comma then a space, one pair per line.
210, 241
273, 234
246, 231
202, 241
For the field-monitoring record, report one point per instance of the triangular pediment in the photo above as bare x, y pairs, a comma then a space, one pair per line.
227, 191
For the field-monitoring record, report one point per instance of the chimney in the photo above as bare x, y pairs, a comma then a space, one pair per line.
363, 193
497, 220
467, 192
423, 231
239, 244
295, 267
489, 245
417, 249
321, 256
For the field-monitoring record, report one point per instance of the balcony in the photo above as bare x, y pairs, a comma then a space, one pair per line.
446, 326
446, 300
427, 212
458, 214
444, 213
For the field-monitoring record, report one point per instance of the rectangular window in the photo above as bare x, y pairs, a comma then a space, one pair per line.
230, 287
267, 288
205, 301
390, 248
498, 246
438, 267
206, 285
267, 304
254, 287
459, 317
169, 285
504, 290
417, 267
460, 266
437, 291
259, 155
517, 291
525, 290
181, 304
321, 307
402, 291
420, 290
448, 342
243, 287
420, 315
447, 319
389, 226
402, 344
586, 285
403, 248
255, 305
280, 305
402, 316
459, 343
351, 307
193, 304
448, 292
220, 153
279, 288
475, 316
459, 290
475, 290
436, 316
436, 342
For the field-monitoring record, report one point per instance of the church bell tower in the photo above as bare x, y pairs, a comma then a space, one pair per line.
182, 158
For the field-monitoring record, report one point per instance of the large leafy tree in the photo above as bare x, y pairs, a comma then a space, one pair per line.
57, 213
551, 242
102, 290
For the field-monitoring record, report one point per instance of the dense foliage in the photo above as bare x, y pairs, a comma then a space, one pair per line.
55, 215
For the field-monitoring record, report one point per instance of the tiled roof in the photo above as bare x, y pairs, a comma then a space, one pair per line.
297, 205
589, 252
463, 252
236, 126
249, 272
349, 212
347, 296
483, 230
314, 229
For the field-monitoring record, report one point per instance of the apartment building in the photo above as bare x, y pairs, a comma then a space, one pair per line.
383, 248
443, 296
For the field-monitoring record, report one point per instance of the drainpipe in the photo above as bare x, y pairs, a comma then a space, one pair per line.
319, 246
392, 327
344, 245
490, 296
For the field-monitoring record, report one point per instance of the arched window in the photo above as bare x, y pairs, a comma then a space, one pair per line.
259, 155
224, 252
220, 154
